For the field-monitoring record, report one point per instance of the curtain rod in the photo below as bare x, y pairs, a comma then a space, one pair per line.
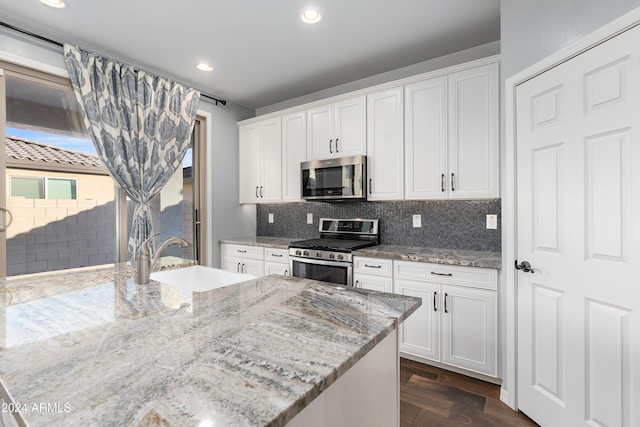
57, 43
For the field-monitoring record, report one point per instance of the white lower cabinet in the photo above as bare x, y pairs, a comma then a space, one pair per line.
456, 325
243, 259
276, 261
373, 273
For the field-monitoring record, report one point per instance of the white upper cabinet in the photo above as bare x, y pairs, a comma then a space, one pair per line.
260, 162
451, 136
294, 151
385, 145
425, 109
337, 129
473, 133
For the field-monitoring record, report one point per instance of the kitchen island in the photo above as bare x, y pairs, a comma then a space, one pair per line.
94, 348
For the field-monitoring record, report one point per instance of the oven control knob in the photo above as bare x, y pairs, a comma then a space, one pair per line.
305, 253
298, 252
318, 254
340, 257
332, 256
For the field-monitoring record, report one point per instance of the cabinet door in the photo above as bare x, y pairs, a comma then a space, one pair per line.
294, 151
270, 162
253, 266
420, 332
320, 139
469, 329
374, 283
250, 136
385, 145
276, 268
350, 127
473, 133
231, 263
425, 109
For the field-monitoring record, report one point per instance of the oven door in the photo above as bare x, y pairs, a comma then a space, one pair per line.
340, 273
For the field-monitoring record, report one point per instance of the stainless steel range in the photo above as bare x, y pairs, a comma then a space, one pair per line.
329, 258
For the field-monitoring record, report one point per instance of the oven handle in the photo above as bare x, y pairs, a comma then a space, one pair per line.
320, 261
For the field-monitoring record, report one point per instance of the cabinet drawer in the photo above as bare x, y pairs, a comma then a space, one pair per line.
276, 255
476, 277
377, 266
252, 252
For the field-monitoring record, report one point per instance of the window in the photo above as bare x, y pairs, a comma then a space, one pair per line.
29, 188
44, 188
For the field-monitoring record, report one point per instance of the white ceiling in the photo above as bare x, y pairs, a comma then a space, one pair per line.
261, 50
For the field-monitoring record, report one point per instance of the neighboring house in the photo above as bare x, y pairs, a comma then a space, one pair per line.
62, 206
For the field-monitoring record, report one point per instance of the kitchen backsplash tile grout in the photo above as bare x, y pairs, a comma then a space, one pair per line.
447, 224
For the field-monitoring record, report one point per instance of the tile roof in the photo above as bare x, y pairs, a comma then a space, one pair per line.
23, 149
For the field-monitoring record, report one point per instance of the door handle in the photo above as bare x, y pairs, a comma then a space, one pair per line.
330, 150
357, 281
5, 224
257, 192
445, 302
524, 266
452, 186
435, 294
442, 183
261, 191
286, 273
337, 151
244, 270
238, 268
370, 189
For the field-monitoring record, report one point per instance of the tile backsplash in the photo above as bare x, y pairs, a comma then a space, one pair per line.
449, 224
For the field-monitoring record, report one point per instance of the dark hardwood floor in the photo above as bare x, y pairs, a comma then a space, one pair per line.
434, 397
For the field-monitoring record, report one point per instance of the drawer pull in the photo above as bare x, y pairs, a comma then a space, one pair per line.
277, 255
442, 274
373, 266
242, 252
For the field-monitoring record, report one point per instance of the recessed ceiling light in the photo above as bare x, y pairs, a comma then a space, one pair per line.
204, 67
58, 4
311, 15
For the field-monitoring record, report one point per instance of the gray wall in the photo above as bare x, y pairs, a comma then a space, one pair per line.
228, 217
478, 52
533, 30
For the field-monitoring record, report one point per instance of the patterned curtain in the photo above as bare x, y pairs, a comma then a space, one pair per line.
140, 124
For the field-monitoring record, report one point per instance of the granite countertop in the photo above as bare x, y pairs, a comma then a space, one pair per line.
94, 348
434, 255
269, 242
483, 259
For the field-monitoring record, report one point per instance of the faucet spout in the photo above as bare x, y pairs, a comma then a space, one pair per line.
146, 262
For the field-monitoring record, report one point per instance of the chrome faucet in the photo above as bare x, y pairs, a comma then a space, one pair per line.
146, 261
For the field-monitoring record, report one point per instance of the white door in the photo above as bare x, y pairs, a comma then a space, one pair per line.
294, 151
350, 127
320, 140
420, 332
385, 145
425, 115
473, 133
249, 152
469, 332
270, 161
578, 203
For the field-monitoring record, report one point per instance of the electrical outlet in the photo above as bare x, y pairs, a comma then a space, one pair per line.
309, 218
417, 220
492, 222
270, 218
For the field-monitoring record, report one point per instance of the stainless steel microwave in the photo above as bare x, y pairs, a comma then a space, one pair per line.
343, 178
